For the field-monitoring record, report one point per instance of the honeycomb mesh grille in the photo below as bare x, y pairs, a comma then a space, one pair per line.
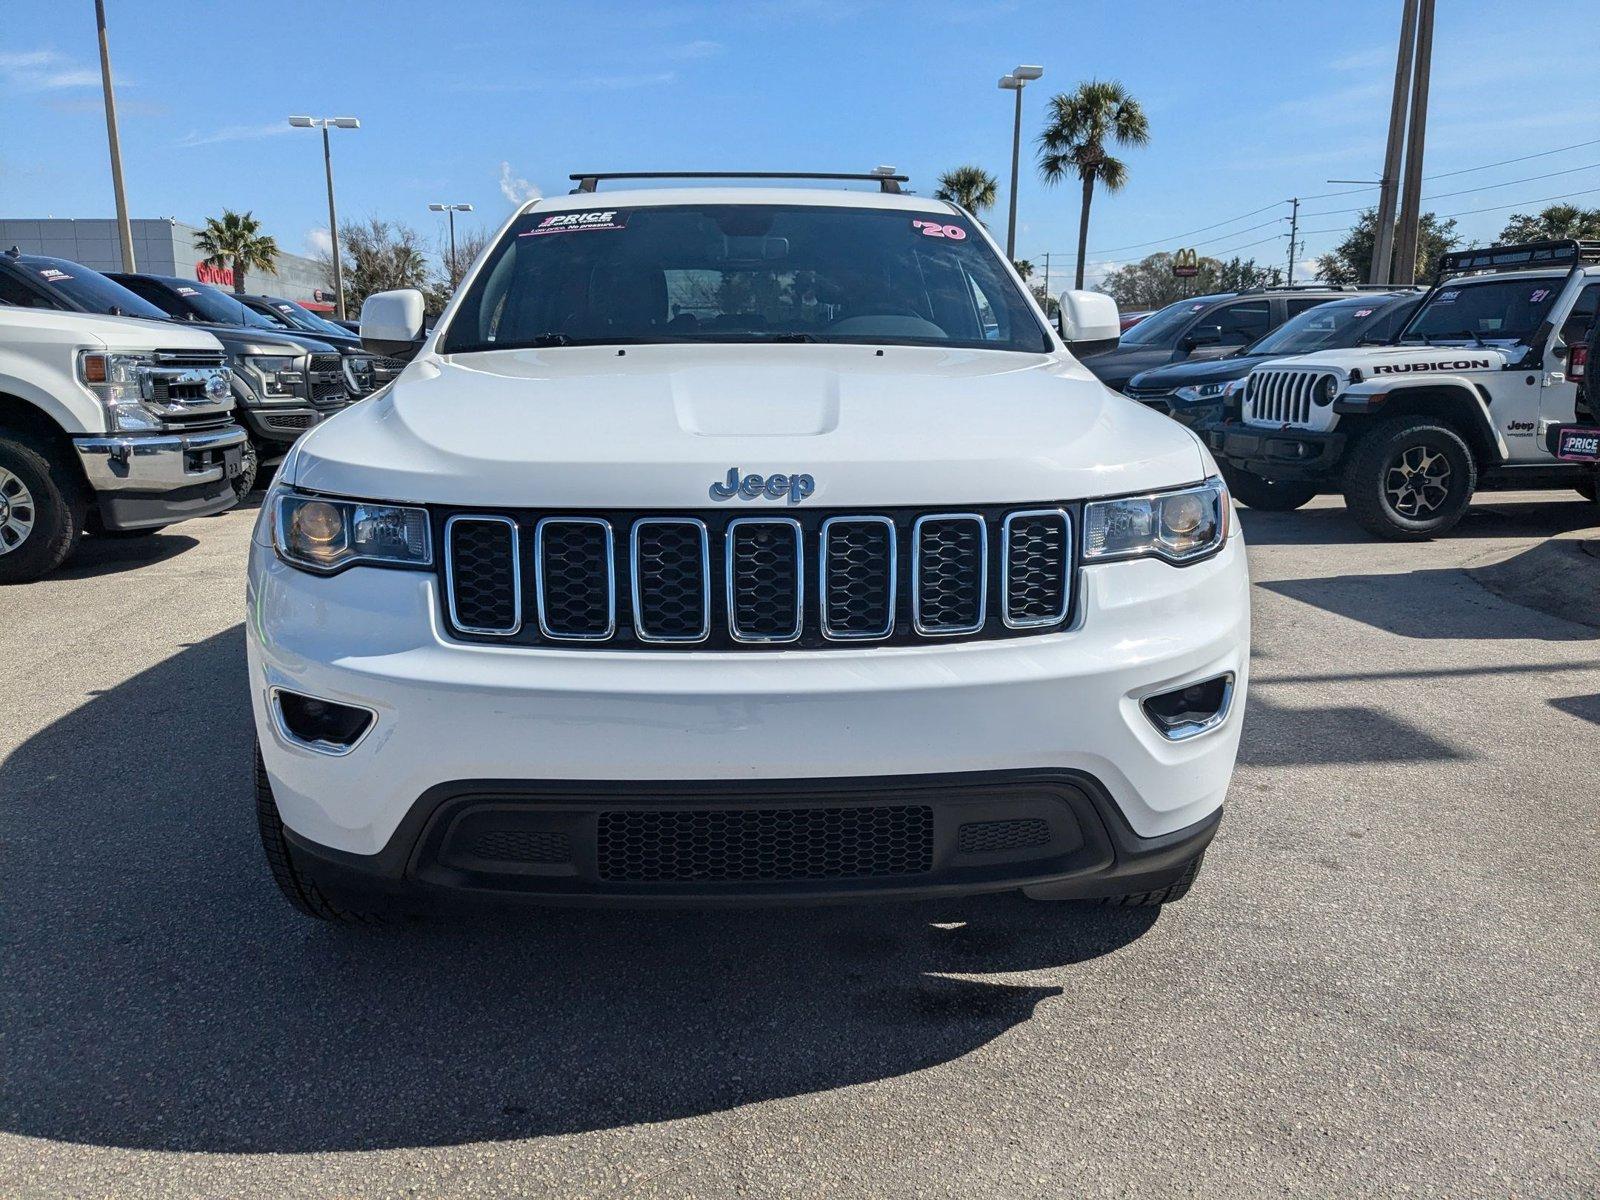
1038, 559
765, 580
671, 584
741, 845
577, 583
521, 846
951, 574
858, 578
482, 553
327, 379
990, 837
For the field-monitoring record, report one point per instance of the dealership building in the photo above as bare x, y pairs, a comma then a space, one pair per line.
164, 246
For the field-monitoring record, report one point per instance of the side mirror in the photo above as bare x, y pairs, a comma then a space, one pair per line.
1089, 323
391, 323
1201, 335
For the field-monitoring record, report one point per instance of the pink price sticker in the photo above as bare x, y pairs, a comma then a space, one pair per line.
1363, 312
1537, 295
935, 229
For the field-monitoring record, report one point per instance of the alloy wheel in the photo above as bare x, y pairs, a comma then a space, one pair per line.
1418, 481
16, 511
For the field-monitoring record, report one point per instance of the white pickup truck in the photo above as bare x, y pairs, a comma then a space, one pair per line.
1475, 392
730, 544
111, 424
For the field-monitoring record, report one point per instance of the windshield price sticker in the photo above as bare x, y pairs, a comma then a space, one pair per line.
1446, 297
935, 229
574, 222
188, 291
1537, 295
53, 275
1363, 312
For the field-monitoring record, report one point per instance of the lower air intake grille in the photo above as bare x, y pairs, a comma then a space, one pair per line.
521, 846
990, 837
484, 581
711, 845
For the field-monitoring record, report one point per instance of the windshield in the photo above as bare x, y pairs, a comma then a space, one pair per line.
743, 273
1337, 324
1507, 310
1164, 325
91, 291
217, 306
303, 318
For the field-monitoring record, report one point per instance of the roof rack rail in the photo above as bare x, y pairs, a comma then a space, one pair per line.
884, 177
1320, 287
1561, 252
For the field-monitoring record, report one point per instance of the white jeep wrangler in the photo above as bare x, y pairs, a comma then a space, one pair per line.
726, 544
112, 424
1475, 393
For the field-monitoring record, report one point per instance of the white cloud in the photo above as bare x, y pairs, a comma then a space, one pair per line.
318, 241
1365, 60
514, 188
45, 71
235, 133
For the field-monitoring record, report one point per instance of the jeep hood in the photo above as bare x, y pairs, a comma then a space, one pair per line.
654, 426
1406, 359
1187, 374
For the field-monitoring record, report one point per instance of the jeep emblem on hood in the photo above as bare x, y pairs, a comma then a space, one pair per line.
754, 487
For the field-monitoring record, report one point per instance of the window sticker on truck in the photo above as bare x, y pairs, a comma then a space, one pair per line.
1537, 295
1446, 297
53, 275
572, 222
937, 230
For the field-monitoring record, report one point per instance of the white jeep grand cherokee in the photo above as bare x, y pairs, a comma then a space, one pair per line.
725, 544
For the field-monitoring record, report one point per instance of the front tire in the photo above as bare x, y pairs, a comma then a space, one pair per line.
1268, 495
295, 877
42, 510
1410, 479
249, 467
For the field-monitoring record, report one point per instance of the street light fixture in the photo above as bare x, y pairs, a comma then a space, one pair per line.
1019, 78
323, 123
452, 209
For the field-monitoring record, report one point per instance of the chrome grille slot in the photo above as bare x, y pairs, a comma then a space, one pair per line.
1037, 564
859, 570
766, 579
575, 578
670, 562
483, 577
949, 573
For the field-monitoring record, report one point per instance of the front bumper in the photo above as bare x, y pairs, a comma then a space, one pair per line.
525, 724
1286, 453
143, 481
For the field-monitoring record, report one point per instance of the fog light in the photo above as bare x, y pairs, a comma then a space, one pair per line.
320, 725
1191, 709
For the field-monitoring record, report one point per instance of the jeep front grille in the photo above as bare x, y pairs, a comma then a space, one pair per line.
725, 580
1280, 397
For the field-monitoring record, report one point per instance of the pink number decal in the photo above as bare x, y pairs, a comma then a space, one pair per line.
934, 229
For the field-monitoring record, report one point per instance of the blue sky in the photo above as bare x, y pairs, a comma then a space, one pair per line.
1249, 103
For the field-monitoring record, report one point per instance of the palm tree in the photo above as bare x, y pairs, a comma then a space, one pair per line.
236, 241
1074, 143
1024, 268
971, 187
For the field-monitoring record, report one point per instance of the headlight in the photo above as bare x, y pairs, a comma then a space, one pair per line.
1178, 526
325, 535
1325, 389
1198, 393
275, 376
117, 379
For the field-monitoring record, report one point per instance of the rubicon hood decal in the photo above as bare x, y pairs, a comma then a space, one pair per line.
1449, 364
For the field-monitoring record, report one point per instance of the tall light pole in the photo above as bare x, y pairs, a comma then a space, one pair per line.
124, 229
323, 124
1389, 185
1406, 237
1015, 82
452, 209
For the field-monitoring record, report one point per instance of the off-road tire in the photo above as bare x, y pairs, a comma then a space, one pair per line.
1174, 891
249, 468
1268, 495
294, 877
1385, 447
57, 502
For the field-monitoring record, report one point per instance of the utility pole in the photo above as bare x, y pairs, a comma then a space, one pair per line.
1405, 245
124, 229
1389, 185
1294, 233
1047, 279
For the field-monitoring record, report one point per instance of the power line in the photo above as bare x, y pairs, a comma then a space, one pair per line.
1507, 161
1488, 187
1469, 212
1202, 229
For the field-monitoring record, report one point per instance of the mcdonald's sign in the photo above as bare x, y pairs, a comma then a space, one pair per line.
1186, 264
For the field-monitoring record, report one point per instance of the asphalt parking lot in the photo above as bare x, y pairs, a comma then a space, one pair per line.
1384, 981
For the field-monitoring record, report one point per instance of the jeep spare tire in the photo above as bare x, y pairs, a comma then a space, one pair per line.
1268, 495
1410, 479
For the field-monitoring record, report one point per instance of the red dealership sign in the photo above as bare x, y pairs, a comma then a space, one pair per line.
221, 276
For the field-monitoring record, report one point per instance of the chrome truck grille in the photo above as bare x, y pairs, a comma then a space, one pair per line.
723, 580
1279, 397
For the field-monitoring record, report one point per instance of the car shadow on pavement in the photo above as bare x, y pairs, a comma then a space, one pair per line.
159, 994
105, 555
1585, 708
1489, 517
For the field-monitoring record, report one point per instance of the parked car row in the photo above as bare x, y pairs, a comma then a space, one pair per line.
114, 421
1406, 403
